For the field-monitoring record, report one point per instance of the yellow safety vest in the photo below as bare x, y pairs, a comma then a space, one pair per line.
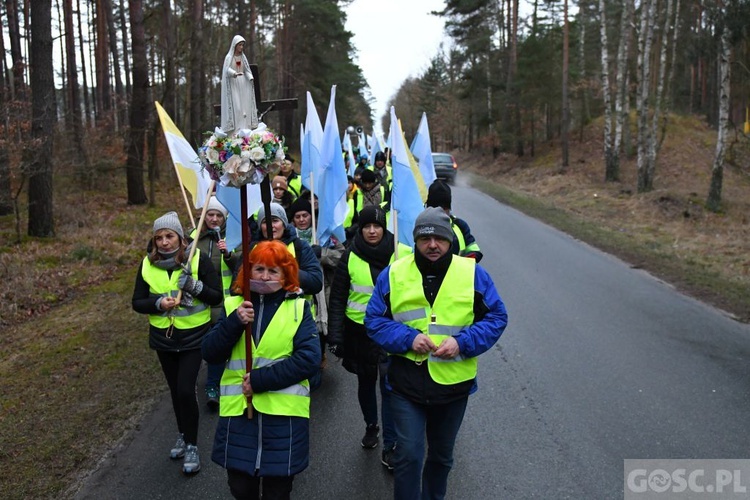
451, 312
275, 345
361, 285
160, 283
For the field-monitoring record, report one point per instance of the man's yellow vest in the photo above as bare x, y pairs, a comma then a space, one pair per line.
275, 345
361, 285
160, 283
451, 312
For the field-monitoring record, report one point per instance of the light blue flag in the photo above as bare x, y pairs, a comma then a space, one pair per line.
346, 144
422, 151
312, 160
376, 146
230, 197
405, 197
333, 183
362, 145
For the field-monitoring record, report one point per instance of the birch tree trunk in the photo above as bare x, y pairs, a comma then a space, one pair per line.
610, 170
43, 116
713, 202
622, 108
658, 104
645, 170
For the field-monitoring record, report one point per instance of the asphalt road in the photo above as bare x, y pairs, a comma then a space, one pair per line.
600, 363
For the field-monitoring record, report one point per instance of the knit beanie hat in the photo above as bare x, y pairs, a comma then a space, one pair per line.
300, 205
277, 211
368, 176
169, 221
214, 204
280, 182
433, 221
380, 156
372, 214
439, 195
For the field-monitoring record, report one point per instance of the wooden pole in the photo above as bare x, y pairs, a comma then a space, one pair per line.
197, 229
246, 289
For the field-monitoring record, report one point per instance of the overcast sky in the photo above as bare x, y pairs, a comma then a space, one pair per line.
395, 39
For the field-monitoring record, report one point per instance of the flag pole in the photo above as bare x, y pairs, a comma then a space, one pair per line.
312, 209
246, 279
198, 228
184, 195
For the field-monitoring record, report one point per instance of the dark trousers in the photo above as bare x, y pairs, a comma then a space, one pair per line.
435, 426
181, 371
246, 487
367, 381
213, 375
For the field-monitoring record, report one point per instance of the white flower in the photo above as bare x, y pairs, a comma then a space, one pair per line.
257, 154
220, 134
212, 155
245, 154
232, 165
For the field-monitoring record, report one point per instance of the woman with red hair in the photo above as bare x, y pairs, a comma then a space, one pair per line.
273, 444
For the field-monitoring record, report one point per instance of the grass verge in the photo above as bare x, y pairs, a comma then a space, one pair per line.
656, 257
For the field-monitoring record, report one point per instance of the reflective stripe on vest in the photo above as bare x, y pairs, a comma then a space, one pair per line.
160, 283
361, 286
275, 345
451, 312
226, 278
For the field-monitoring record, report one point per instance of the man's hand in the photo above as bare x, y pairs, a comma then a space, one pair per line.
448, 349
247, 389
423, 344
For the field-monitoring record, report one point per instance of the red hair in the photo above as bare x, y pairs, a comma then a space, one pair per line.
272, 254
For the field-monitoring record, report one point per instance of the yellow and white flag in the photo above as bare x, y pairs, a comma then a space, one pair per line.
193, 177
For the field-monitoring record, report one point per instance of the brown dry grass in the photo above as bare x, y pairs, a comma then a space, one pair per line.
668, 230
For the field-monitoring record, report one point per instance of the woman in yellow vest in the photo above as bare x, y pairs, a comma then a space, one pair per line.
370, 252
272, 445
177, 327
211, 242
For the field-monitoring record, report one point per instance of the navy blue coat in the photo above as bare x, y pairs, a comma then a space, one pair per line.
266, 445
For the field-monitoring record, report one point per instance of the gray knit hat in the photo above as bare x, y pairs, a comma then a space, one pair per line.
276, 211
169, 221
433, 221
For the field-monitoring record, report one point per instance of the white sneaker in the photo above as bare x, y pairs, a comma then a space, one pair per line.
192, 463
178, 450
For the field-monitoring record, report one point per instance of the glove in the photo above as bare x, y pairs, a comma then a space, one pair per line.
336, 350
316, 251
188, 284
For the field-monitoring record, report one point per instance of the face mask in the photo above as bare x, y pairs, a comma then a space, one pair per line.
265, 287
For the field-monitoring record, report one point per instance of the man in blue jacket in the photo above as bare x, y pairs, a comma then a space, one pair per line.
434, 312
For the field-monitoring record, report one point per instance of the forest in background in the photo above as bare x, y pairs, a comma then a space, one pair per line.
80, 78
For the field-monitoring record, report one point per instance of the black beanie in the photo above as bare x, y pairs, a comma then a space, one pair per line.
372, 214
379, 156
368, 176
439, 195
299, 205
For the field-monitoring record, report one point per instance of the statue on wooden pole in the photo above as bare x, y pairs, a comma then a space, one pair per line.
238, 107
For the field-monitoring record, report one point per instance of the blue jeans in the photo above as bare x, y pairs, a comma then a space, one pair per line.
368, 403
440, 425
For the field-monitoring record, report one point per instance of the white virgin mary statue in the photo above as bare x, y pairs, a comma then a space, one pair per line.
238, 107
